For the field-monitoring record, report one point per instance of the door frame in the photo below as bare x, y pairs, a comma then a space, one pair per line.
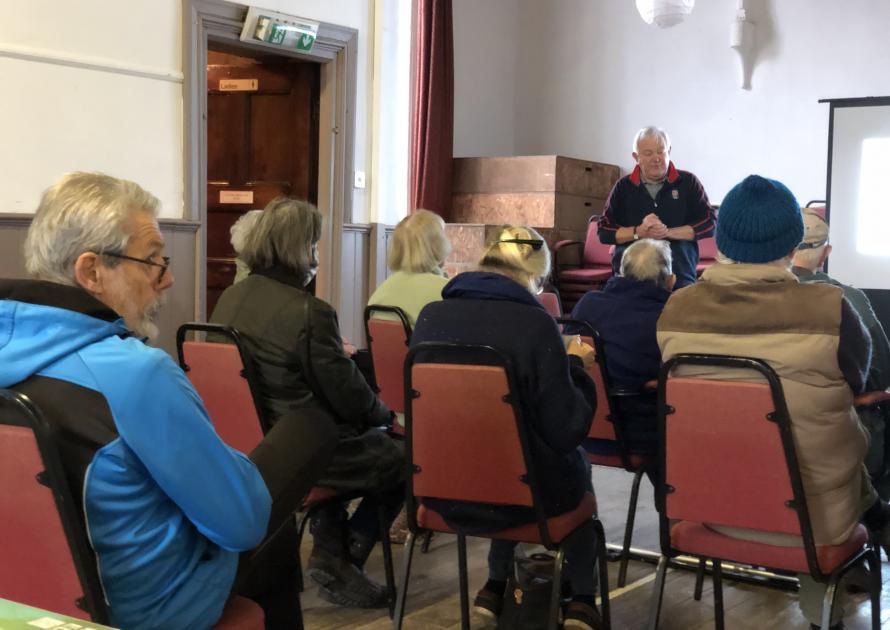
335, 49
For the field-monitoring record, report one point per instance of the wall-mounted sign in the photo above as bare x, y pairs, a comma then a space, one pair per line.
236, 196
238, 85
279, 29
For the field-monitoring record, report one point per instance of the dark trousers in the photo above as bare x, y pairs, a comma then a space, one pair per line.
291, 458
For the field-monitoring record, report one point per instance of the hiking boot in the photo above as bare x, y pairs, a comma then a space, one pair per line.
581, 616
343, 583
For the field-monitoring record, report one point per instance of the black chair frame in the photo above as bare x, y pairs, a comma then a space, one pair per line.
26, 414
474, 354
798, 502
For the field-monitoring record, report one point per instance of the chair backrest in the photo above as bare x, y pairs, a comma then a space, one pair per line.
224, 377
596, 254
707, 249
388, 341
550, 301
46, 559
465, 432
601, 428
728, 455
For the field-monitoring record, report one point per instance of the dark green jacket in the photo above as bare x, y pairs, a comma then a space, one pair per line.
295, 341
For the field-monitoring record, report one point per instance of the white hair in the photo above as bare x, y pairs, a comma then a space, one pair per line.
240, 228
648, 260
651, 132
82, 212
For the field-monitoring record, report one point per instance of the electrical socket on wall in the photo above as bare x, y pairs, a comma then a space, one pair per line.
359, 179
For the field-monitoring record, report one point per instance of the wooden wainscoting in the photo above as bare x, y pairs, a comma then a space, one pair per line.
359, 276
180, 237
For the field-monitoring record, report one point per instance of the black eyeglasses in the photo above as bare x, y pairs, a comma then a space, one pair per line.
535, 243
144, 261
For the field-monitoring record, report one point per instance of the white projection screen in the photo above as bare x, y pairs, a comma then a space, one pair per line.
859, 192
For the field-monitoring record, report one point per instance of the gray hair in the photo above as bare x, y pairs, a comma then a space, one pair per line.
284, 234
648, 260
241, 228
419, 244
520, 262
651, 132
82, 212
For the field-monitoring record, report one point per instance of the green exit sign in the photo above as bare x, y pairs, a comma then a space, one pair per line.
286, 32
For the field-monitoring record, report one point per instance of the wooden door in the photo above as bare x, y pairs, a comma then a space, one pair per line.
262, 142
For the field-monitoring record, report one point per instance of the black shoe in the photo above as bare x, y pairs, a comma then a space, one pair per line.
837, 626
343, 583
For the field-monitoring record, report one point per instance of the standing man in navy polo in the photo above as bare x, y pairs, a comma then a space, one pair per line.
658, 201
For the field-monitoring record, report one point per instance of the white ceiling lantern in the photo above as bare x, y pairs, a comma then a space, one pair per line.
664, 13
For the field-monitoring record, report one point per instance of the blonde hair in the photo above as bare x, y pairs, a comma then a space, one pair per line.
518, 261
83, 212
419, 244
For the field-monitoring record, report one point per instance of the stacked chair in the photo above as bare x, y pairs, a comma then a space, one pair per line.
594, 270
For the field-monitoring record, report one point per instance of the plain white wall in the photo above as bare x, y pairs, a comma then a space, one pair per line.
58, 118
485, 76
586, 75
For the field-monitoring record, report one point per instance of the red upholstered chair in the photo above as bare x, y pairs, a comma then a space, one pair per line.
594, 270
224, 376
707, 254
47, 560
476, 452
729, 459
550, 301
605, 428
388, 341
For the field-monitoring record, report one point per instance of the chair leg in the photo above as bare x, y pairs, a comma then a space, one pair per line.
699, 579
601, 561
403, 589
387, 559
718, 594
464, 585
553, 617
629, 528
874, 571
828, 602
658, 592
425, 545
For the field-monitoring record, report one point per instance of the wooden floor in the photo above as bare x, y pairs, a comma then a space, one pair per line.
433, 590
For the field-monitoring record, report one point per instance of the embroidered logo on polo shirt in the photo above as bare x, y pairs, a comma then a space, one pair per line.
675, 193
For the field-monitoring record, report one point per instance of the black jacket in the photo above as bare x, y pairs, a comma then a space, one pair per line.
295, 342
681, 201
557, 396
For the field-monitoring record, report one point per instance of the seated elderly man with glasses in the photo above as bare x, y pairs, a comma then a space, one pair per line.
167, 505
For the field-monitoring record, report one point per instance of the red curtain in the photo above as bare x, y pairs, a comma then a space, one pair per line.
432, 121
